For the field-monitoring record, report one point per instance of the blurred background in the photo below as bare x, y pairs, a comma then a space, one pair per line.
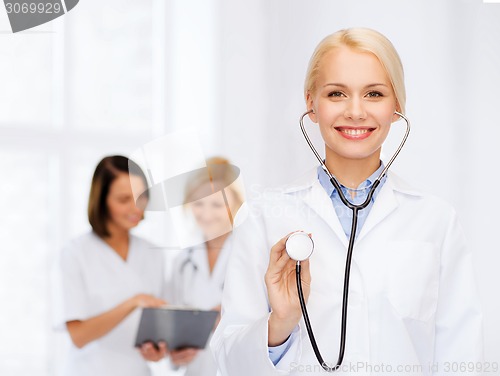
110, 76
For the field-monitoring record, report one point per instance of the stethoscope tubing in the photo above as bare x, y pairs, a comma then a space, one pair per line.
355, 209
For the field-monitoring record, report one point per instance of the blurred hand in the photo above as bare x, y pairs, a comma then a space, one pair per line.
184, 356
153, 353
147, 301
282, 291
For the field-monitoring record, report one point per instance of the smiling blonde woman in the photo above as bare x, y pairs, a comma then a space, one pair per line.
413, 304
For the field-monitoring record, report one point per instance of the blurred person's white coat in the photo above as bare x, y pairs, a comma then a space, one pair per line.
193, 285
90, 278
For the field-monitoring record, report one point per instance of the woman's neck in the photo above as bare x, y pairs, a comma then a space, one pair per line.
352, 172
118, 240
216, 244
214, 247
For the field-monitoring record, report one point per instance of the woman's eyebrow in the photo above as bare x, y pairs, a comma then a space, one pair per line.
373, 85
344, 86
334, 84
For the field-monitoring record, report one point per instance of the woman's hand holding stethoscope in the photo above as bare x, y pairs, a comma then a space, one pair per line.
282, 291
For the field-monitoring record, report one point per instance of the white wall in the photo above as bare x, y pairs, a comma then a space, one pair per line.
109, 77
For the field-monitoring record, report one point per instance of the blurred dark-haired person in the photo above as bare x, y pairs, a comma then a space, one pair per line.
103, 276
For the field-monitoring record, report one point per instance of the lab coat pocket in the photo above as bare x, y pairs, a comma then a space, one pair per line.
413, 278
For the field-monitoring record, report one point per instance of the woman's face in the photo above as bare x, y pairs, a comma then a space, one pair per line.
124, 214
212, 213
353, 104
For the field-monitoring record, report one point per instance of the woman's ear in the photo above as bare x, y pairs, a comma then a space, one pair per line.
396, 117
310, 106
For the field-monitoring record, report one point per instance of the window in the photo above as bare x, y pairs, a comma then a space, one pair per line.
73, 90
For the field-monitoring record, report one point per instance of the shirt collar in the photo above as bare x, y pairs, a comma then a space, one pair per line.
330, 189
309, 179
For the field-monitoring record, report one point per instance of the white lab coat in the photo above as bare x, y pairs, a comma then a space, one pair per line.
91, 278
192, 285
413, 305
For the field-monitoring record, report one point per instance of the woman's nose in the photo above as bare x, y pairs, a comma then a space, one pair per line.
354, 109
140, 204
137, 207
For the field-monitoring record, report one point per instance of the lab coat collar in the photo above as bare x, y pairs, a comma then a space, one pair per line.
199, 258
309, 189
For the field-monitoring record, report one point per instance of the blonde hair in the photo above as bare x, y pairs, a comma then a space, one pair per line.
365, 40
220, 174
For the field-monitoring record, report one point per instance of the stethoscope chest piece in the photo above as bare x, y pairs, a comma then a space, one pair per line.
299, 246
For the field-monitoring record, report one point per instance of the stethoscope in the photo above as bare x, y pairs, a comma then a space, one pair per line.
300, 246
193, 266
189, 261
188, 271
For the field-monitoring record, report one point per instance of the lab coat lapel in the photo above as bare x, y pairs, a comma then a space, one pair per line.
200, 259
314, 195
385, 203
219, 271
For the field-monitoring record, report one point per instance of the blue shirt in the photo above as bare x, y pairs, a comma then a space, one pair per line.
356, 196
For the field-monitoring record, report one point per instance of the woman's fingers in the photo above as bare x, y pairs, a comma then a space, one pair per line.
278, 250
183, 356
153, 302
149, 301
152, 353
279, 257
163, 349
282, 291
158, 302
305, 272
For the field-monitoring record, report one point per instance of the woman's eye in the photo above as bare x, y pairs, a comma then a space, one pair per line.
374, 94
335, 94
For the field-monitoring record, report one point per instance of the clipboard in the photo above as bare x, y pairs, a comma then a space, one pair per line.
178, 327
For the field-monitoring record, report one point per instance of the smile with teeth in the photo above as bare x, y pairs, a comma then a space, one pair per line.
354, 133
